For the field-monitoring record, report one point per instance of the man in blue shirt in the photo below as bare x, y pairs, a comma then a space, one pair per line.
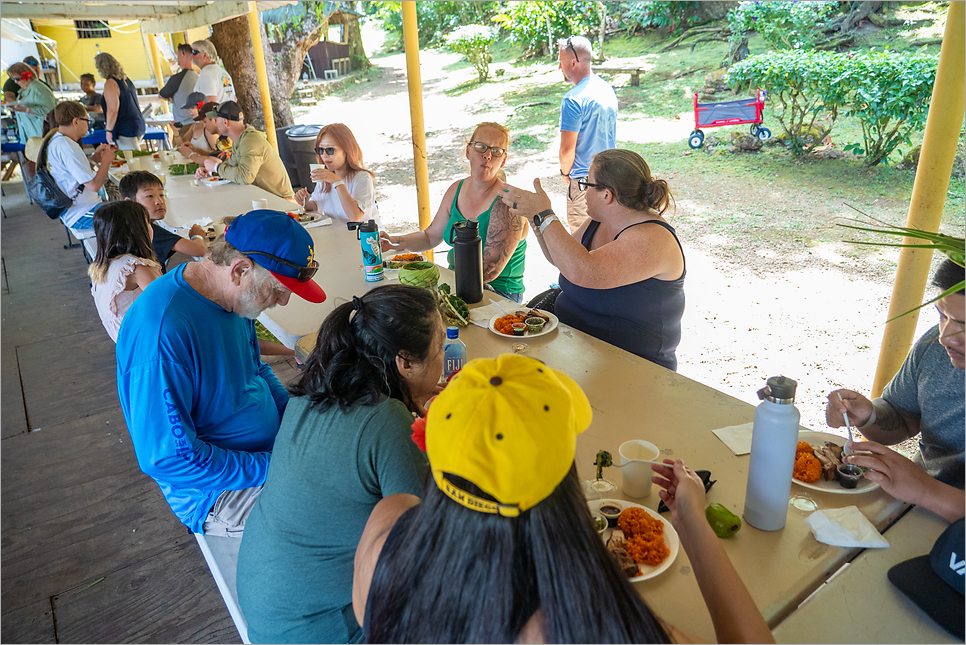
201, 407
588, 122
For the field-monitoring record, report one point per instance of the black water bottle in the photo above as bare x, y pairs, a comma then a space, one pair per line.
468, 258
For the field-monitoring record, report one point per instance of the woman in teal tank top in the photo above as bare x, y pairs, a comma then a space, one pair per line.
477, 198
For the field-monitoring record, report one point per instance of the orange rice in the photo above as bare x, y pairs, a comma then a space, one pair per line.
808, 469
803, 446
644, 536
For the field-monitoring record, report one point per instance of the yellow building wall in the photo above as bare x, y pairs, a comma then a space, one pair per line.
77, 54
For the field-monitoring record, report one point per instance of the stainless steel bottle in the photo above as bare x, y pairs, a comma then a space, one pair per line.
468, 260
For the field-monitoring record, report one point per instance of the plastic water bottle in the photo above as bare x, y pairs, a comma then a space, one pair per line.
773, 442
454, 353
368, 235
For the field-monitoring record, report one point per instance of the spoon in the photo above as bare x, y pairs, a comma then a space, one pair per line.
847, 449
500, 307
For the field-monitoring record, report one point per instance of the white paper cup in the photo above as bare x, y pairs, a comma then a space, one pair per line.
134, 163
636, 473
128, 155
259, 203
316, 166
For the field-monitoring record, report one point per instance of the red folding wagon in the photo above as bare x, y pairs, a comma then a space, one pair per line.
715, 115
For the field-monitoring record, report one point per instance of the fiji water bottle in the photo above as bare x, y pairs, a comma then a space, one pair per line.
368, 235
773, 442
454, 353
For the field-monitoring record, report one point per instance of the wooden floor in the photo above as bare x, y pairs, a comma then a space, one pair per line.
89, 550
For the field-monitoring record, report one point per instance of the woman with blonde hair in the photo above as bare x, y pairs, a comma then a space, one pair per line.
344, 188
476, 198
622, 272
34, 101
119, 101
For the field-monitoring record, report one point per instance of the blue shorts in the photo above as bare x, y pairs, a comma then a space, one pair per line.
515, 297
86, 221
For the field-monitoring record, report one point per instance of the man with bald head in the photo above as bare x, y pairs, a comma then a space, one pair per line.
588, 121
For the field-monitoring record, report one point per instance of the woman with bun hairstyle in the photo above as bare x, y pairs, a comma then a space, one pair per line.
344, 444
622, 272
344, 188
502, 547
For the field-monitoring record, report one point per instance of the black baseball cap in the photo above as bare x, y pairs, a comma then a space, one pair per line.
194, 100
227, 110
935, 581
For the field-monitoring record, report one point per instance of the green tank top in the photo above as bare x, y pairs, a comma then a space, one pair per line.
510, 279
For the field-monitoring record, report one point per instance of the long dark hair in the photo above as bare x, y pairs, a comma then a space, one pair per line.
355, 353
121, 228
460, 576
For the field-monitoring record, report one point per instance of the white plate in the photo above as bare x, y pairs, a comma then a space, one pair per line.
671, 538
818, 439
208, 181
548, 327
310, 218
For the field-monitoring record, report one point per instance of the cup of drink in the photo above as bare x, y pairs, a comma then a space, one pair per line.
636, 472
259, 203
128, 155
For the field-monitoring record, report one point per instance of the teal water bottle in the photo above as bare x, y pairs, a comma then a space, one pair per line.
368, 235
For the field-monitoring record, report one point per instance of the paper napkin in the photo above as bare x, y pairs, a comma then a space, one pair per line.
481, 315
845, 527
738, 438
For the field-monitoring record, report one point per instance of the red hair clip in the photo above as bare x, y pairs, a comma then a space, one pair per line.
200, 103
26, 76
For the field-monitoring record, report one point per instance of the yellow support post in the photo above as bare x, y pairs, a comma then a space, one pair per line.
943, 125
156, 58
411, 41
261, 71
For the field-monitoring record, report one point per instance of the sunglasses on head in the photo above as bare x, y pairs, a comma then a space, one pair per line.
325, 151
571, 46
195, 52
481, 148
305, 273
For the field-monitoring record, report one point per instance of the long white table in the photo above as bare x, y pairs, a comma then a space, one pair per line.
635, 399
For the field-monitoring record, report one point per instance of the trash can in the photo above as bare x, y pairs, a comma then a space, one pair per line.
285, 153
301, 140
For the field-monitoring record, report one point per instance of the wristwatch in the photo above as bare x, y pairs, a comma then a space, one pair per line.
539, 218
565, 174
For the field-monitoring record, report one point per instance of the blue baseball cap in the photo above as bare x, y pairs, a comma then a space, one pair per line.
276, 241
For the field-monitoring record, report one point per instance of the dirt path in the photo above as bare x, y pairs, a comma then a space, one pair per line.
770, 309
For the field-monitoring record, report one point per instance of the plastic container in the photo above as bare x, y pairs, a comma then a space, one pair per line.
773, 442
301, 140
368, 234
468, 260
287, 156
454, 353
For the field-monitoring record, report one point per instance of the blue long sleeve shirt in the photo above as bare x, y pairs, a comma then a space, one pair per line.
201, 407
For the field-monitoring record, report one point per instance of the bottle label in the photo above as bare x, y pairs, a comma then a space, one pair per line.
372, 256
452, 366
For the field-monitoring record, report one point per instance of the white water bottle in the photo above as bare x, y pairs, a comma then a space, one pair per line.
454, 353
773, 443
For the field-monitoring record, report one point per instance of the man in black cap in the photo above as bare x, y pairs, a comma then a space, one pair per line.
180, 86
253, 160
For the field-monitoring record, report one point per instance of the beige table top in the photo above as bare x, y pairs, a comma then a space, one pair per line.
635, 399
860, 605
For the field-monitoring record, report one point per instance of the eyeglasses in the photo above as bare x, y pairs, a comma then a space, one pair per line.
582, 185
571, 46
325, 151
305, 273
481, 148
80, 118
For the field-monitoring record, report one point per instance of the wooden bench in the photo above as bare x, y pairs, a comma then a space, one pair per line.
635, 72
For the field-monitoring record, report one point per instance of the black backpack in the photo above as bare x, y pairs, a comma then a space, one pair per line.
44, 189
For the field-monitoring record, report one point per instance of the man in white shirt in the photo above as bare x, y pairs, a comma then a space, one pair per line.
213, 81
181, 85
71, 169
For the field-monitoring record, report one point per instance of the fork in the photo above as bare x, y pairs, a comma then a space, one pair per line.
847, 449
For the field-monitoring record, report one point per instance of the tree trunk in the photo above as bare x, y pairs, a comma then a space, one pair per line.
600, 34
714, 10
233, 41
860, 11
357, 50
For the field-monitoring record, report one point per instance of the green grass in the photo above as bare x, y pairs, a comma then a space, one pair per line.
264, 334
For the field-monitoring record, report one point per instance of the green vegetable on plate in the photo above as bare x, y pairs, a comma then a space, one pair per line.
603, 460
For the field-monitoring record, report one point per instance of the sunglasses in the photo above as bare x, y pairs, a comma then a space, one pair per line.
481, 148
305, 273
583, 184
325, 151
571, 46
195, 52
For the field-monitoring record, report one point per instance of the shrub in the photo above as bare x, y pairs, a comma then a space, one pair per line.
782, 25
473, 41
538, 24
890, 98
673, 16
802, 85
435, 19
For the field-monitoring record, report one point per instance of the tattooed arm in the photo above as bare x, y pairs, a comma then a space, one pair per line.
502, 236
891, 425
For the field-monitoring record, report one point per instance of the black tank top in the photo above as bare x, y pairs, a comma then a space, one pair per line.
129, 122
643, 318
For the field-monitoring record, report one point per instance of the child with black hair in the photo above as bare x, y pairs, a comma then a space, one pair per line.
146, 189
125, 264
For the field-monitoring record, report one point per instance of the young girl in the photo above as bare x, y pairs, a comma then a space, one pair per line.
125, 262
344, 190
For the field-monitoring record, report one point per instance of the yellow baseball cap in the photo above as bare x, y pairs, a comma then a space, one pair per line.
508, 425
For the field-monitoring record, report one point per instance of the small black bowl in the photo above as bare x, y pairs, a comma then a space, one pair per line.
611, 512
849, 475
